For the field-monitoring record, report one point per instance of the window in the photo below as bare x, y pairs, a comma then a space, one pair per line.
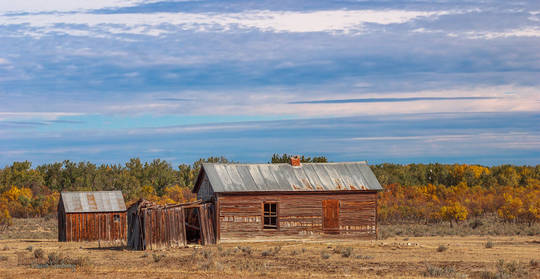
270, 215
116, 218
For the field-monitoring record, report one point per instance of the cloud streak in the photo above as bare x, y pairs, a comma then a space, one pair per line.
391, 100
37, 6
155, 24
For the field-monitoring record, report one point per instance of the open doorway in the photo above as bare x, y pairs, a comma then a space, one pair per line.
193, 225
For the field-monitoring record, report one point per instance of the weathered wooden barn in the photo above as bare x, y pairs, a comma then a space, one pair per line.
90, 216
152, 226
269, 200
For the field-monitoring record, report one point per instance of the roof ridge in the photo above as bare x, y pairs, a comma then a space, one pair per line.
270, 164
99, 191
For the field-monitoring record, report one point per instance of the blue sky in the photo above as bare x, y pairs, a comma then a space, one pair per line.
383, 81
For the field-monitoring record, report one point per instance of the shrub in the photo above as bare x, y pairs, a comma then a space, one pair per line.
207, 253
211, 265
476, 223
325, 255
29, 248
3, 258
534, 263
488, 275
266, 253
347, 252
227, 252
39, 254
362, 257
271, 251
343, 251
157, 257
442, 248
59, 259
505, 270
78, 261
5, 248
245, 249
54, 258
435, 271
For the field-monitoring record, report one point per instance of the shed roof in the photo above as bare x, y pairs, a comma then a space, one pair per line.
98, 201
285, 177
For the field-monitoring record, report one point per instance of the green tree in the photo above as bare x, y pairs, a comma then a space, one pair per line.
286, 158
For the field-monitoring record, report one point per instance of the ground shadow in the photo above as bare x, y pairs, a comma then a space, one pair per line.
111, 248
37, 240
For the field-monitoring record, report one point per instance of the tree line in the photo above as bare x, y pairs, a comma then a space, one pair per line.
413, 192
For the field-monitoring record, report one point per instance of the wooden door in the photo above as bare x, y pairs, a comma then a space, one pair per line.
331, 216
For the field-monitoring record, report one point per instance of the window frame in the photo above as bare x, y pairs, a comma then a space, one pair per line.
270, 215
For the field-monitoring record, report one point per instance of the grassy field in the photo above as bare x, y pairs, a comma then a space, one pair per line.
393, 257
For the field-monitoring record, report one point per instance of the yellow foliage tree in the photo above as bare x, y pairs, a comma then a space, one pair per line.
511, 209
454, 212
5, 219
18, 201
479, 170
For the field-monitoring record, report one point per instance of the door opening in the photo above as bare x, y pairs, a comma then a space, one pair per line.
193, 226
331, 216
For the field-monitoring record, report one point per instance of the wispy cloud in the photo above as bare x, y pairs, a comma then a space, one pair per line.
528, 31
155, 24
41, 115
37, 6
175, 99
391, 100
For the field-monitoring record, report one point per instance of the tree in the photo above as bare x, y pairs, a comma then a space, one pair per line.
285, 158
5, 219
159, 174
511, 209
454, 212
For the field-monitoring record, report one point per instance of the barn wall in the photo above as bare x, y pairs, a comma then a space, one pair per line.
95, 226
205, 193
163, 228
240, 216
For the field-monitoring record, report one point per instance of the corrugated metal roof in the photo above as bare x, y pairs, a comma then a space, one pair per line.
285, 177
98, 201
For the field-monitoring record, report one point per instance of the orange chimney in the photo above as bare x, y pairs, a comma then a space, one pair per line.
295, 161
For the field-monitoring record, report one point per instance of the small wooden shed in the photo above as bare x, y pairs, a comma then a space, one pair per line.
153, 226
91, 216
293, 200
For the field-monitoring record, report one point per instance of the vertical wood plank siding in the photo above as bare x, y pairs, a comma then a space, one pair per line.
153, 226
240, 216
163, 227
94, 226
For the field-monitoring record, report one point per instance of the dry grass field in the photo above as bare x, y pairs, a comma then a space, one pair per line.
394, 257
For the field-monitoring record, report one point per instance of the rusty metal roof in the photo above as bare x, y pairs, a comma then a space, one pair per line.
284, 177
98, 201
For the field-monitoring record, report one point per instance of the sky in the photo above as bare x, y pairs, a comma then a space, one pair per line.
383, 81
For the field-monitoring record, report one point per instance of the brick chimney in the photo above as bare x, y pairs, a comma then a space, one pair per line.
295, 161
